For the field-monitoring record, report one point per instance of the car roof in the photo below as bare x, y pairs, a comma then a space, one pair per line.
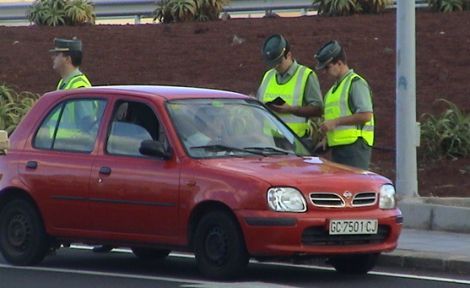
167, 92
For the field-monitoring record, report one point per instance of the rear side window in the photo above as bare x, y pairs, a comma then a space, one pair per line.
71, 126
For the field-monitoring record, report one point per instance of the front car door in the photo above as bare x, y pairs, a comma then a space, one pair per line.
134, 196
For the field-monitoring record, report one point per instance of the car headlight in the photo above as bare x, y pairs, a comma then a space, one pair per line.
285, 199
387, 197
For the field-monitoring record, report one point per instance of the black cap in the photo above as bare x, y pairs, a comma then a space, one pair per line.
273, 49
66, 45
327, 53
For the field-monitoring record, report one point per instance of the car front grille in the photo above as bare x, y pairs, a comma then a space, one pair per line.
364, 199
334, 200
318, 236
323, 199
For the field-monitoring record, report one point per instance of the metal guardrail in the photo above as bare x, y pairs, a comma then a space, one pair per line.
103, 9
144, 8
268, 6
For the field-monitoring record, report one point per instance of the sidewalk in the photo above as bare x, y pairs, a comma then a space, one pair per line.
430, 250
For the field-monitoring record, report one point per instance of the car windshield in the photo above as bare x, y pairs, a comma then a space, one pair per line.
231, 128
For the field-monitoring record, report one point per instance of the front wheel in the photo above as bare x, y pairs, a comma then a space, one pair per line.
148, 254
354, 264
219, 246
23, 240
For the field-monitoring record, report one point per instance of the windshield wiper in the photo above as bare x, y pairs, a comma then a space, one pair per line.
270, 149
220, 147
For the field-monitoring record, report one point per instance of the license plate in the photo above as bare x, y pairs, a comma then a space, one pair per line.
353, 227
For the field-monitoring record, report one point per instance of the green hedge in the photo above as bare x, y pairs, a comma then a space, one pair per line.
62, 12
445, 135
13, 106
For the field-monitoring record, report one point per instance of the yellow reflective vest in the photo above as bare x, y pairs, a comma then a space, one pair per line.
77, 81
336, 106
292, 92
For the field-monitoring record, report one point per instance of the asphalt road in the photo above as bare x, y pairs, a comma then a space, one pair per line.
81, 268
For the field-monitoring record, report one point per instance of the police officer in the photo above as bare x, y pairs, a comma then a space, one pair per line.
295, 84
348, 113
67, 58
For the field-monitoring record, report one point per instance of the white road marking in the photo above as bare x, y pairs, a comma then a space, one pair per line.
209, 284
237, 285
314, 267
107, 274
194, 283
377, 273
419, 277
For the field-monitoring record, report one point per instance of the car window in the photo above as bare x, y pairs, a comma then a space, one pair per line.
132, 123
71, 126
44, 136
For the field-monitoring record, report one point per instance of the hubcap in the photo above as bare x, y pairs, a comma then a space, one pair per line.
18, 231
216, 245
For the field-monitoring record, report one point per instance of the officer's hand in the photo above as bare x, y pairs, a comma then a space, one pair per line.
321, 147
328, 125
283, 109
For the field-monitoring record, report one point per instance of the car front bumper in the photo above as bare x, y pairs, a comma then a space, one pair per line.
269, 233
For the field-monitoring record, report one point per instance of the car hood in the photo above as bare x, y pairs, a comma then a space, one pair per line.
305, 173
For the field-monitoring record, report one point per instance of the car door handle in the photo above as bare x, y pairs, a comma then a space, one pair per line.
32, 165
105, 170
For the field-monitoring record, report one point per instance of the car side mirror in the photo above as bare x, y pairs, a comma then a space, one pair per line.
154, 149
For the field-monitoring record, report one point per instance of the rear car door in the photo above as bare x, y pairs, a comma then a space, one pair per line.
56, 165
135, 196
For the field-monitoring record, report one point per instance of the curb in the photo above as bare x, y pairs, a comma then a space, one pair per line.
411, 260
438, 262
425, 214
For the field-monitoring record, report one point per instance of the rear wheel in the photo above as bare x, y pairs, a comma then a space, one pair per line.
354, 264
23, 240
148, 254
219, 246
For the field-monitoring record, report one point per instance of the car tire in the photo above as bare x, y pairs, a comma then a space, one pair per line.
354, 264
148, 254
23, 239
219, 246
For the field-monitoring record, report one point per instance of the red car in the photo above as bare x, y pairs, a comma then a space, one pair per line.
160, 169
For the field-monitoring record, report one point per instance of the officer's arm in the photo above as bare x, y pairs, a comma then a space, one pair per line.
307, 111
355, 119
361, 99
301, 111
258, 92
312, 98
